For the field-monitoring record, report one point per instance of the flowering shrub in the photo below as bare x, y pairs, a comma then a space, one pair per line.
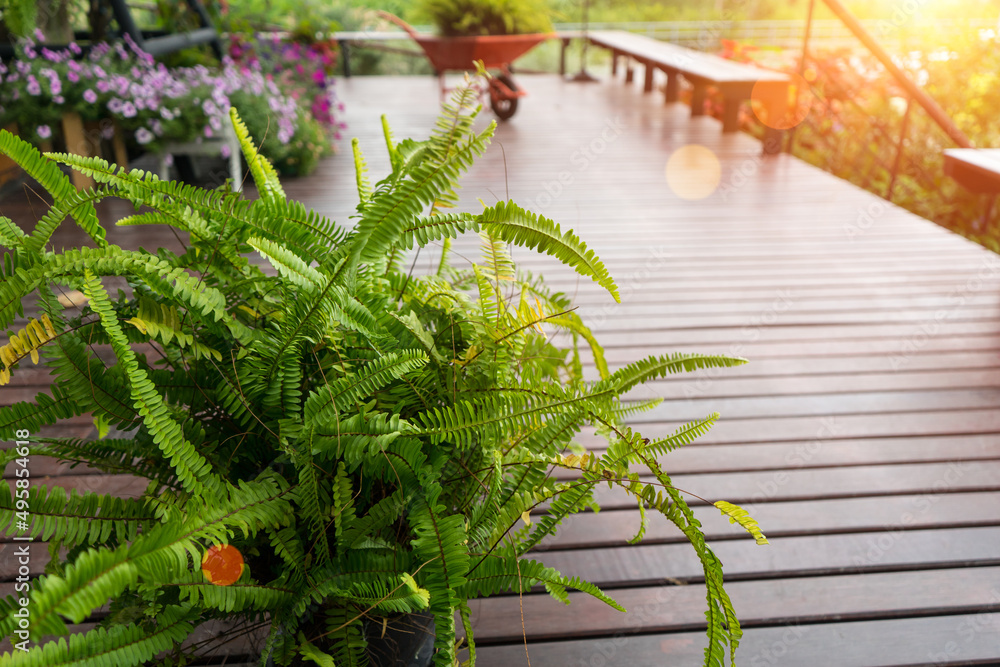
304, 69
154, 104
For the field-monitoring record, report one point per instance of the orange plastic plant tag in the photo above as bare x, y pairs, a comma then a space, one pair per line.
222, 564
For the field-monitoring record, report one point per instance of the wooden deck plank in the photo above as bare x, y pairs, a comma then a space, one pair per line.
895, 548
964, 639
873, 514
758, 602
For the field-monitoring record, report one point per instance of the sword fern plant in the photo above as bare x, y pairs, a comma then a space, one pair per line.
367, 439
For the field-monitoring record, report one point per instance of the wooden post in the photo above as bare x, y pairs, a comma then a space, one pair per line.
731, 114
698, 98
118, 146
8, 168
672, 93
79, 142
647, 84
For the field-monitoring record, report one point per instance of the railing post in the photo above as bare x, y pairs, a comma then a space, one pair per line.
899, 149
915, 91
802, 66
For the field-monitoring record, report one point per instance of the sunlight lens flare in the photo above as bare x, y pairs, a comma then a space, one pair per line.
693, 172
779, 107
222, 564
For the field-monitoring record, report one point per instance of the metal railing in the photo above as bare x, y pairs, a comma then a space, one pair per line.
873, 125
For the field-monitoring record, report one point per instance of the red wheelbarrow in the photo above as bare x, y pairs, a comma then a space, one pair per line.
460, 54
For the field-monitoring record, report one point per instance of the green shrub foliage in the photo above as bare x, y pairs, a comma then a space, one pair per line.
464, 18
369, 440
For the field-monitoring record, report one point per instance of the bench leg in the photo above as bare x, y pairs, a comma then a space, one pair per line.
647, 84
614, 63
562, 57
345, 56
629, 70
698, 99
731, 115
672, 92
773, 142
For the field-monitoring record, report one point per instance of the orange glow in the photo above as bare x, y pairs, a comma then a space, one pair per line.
693, 172
222, 564
779, 107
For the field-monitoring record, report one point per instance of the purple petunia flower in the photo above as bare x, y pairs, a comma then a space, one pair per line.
89, 96
44, 131
143, 136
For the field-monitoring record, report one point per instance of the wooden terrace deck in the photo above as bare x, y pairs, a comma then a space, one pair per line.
863, 434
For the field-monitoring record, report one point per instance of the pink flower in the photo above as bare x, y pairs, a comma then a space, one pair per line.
89, 96
143, 136
44, 131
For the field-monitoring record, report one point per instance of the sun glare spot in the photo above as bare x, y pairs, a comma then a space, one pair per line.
693, 172
780, 108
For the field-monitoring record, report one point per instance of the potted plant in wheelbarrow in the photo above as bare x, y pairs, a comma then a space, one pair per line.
487, 31
328, 441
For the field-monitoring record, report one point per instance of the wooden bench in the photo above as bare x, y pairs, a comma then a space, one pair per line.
978, 171
736, 81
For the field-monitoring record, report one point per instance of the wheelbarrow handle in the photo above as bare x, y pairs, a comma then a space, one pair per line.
399, 22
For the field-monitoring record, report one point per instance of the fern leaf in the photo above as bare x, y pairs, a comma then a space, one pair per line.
25, 342
653, 367
120, 645
517, 226
739, 515
48, 174
193, 471
264, 176
361, 171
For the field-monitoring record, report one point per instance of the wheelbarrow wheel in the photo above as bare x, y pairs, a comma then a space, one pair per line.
503, 105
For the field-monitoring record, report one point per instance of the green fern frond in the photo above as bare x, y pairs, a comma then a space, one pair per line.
11, 235
116, 646
160, 555
44, 411
386, 214
347, 637
517, 226
75, 519
48, 174
361, 171
739, 515
24, 343
264, 175
288, 264
325, 402
193, 471
653, 367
